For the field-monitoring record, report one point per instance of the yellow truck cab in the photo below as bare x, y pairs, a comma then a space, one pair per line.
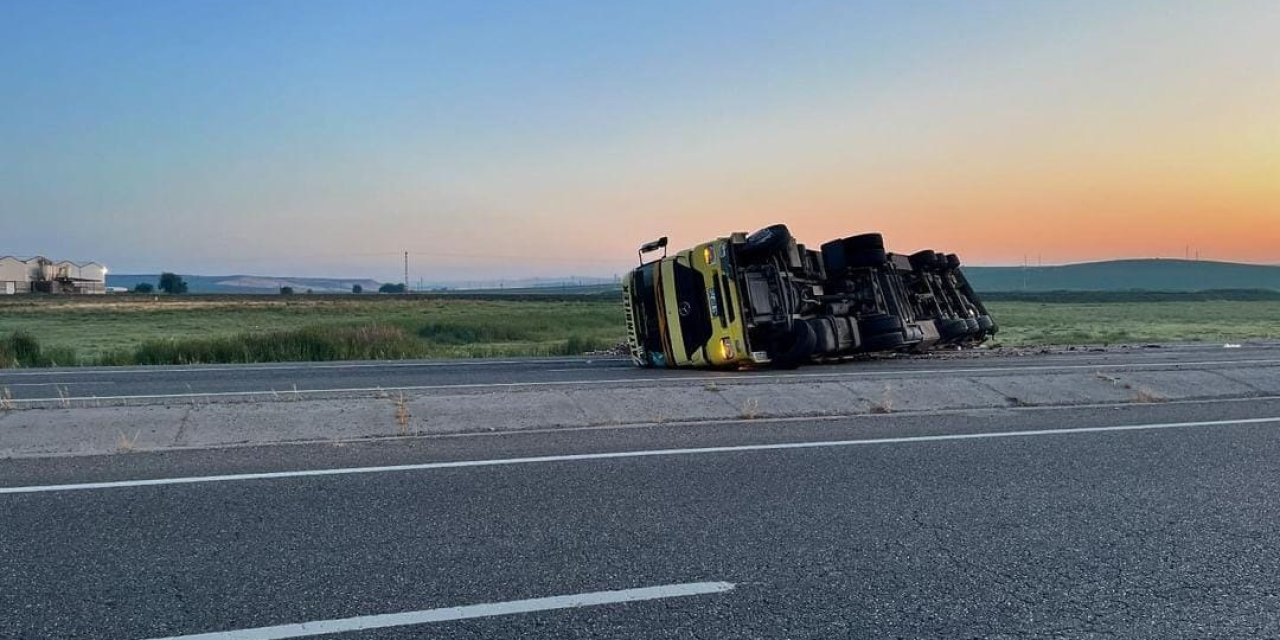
682, 309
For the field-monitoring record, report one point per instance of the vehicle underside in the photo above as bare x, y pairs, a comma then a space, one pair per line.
771, 301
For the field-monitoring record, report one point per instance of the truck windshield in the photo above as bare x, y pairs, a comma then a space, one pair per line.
645, 303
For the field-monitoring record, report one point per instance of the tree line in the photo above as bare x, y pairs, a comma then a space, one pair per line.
173, 284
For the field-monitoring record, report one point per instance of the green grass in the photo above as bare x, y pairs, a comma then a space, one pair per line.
127, 330
1039, 323
146, 331
372, 342
22, 349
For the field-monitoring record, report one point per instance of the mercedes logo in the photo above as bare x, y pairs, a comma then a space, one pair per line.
685, 308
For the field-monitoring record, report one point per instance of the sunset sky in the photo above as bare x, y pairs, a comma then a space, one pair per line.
495, 139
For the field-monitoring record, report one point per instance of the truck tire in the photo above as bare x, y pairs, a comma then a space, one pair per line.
833, 260
986, 324
939, 260
866, 250
771, 239
953, 261
884, 342
792, 348
924, 260
876, 325
952, 330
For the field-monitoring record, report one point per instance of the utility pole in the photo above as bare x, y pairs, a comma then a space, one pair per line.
406, 273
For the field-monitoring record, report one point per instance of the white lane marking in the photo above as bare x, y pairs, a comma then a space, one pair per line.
55, 384
721, 377
478, 362
448, 614
577, 457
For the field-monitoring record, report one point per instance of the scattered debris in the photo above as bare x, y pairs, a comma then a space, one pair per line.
1143, 395
618, 350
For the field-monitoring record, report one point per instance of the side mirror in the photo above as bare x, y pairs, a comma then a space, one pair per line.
648, 247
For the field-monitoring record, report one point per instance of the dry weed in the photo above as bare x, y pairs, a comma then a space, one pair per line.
402, 414
124, 443
885, 405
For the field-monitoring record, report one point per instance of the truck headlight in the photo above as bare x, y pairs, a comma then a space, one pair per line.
726, 348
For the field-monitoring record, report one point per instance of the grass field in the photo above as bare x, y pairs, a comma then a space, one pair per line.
127, 330
148, 331
1077, 323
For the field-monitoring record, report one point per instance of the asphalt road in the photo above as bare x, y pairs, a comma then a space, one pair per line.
130, 382
1139, 521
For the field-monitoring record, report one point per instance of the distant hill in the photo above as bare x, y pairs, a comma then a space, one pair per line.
272, 284
1127, 275
1115, 275
249, 284
558, 291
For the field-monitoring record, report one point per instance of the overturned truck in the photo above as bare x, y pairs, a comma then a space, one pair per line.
764, 300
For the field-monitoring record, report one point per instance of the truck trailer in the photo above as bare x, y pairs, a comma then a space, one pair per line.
762, 299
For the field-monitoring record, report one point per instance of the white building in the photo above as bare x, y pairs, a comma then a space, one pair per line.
40, 274
15, 276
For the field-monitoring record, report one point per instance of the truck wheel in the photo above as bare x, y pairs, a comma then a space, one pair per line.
768, 240
876, 325
953, 261
951, 330
939, 260
791, 348
986, 324
884, 342
924, 260
866, 250
833, 259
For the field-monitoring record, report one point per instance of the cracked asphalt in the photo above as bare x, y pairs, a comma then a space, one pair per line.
1162, 533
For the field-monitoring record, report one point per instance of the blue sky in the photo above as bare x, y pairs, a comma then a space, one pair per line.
507, 139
